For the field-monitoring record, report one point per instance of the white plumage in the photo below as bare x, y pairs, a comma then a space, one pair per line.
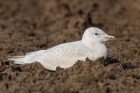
67, 54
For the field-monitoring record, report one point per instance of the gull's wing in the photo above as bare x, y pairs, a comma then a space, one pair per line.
64, 55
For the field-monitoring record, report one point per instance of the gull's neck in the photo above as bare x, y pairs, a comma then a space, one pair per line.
98, 49
92, 45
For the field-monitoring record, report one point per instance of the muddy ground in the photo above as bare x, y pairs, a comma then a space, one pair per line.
30, 25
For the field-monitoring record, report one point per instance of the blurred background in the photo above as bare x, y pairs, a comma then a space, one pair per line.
45, 23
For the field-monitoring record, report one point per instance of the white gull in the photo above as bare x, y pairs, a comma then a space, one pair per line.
65, 55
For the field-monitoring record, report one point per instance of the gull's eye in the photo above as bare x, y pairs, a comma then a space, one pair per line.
96, 34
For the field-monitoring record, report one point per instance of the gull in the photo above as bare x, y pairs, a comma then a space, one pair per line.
65, 55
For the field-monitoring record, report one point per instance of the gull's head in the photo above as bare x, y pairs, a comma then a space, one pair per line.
94, 34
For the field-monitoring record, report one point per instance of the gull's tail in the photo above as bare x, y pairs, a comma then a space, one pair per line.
27, 58
18, 59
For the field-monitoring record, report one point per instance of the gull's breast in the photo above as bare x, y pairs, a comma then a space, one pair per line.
97, 52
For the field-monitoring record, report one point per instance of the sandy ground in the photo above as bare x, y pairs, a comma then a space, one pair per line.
30, 25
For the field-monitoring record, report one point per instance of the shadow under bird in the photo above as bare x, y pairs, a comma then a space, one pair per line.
67, 54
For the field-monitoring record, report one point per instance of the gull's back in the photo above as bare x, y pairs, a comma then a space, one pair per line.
63, 55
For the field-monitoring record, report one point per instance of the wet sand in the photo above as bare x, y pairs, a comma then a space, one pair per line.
30, 25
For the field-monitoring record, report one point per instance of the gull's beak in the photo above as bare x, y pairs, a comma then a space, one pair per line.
108, 37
